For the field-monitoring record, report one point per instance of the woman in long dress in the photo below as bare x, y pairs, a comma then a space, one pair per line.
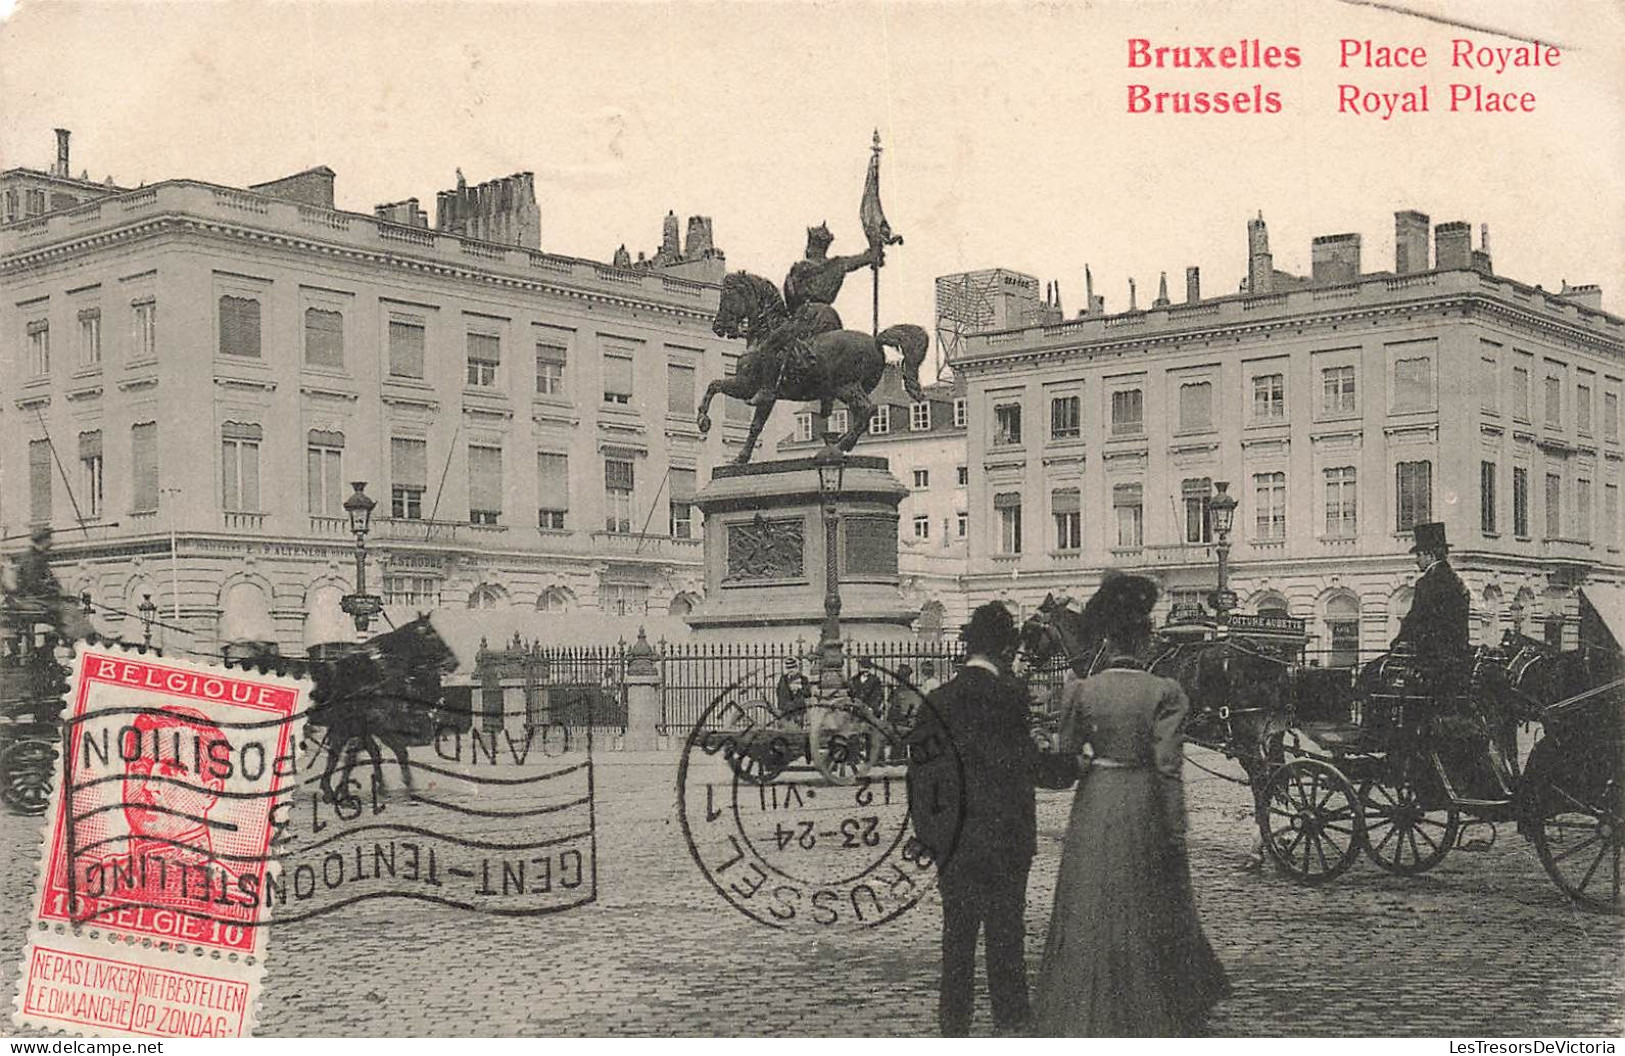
1126, 956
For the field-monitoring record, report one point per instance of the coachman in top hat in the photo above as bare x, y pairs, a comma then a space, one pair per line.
1436, 628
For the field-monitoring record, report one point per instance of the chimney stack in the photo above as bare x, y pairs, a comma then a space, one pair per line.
62, 169
1335, 258
1193, 285
1162, 292
1132, 305
1260, 264
1410, 242
1453, 246
1481, 255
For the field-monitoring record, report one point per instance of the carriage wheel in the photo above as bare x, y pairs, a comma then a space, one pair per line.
842, 749
1406, 832
27, 766
1580, 830
1311, 821
755, 764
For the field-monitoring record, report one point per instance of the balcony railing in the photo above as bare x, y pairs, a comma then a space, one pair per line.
634, 544
417, 530
329, 526
240, 521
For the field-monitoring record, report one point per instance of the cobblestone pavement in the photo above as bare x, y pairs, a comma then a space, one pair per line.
1482, 946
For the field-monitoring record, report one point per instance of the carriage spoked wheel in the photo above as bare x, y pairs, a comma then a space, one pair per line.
1409, 826
27, 766
752, 753
1311, 820
843, 747
1579, 832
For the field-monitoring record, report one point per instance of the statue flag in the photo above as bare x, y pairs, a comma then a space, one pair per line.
873, 217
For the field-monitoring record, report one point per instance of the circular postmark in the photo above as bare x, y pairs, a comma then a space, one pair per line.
829, 816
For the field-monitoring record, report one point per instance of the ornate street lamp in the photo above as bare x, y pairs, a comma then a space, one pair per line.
831, 466
361, 605
1222, 508
148, 613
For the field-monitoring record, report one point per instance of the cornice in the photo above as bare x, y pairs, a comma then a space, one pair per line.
1470, 301
31, 259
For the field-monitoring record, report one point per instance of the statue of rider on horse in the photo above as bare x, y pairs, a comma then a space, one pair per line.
795, 346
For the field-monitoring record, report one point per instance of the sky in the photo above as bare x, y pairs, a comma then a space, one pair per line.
1006, 126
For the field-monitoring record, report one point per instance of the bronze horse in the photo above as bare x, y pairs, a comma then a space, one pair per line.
846, 366
384, 693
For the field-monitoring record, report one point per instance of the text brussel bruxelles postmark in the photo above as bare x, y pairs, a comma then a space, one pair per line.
793, 850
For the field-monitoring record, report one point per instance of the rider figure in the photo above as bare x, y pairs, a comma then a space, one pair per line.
809, 291
1436, 627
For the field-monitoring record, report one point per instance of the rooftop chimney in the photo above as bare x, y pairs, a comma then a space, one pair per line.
62, 169
1132, 305
1193, 285
1588, 295
1335, 258
1481, 255
1260, 264
1410, 242
1162, 292
1453, 246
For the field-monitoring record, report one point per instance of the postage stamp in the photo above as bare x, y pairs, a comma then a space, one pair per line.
157, 847
819, 817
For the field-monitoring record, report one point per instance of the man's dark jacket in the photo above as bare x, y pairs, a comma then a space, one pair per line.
973, 768
1437, 625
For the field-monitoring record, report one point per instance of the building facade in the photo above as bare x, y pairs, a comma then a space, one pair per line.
1340, 409
194, 374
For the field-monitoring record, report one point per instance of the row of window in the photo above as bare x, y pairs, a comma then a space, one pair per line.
240, 480
1555, 393
922, 478
1413, 484
1413, 505
919, 419
1413, 391
87, 337
922, 526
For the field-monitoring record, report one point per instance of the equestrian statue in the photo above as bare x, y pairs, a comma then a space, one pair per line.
795, 347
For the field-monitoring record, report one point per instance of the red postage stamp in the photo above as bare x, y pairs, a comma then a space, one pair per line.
150, 909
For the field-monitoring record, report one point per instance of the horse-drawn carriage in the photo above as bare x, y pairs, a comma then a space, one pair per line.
35, 620
1394, 762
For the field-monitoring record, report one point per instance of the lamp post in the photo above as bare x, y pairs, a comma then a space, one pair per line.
148, 612
831, 466
1222, 508
361, 605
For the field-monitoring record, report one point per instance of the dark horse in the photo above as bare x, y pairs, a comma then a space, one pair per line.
1238, 692
384, 692
847, 363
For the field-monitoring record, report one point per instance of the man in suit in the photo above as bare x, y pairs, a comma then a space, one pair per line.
985, 762
866, 688
1436, 628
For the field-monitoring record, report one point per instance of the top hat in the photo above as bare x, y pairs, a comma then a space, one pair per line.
865, 663
1429, 538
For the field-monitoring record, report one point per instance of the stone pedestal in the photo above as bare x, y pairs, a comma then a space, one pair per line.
765, 559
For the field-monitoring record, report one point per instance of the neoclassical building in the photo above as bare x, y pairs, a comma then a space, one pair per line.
191, 376
1341, 409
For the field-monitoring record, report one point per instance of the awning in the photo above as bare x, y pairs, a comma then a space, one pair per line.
245, 616
1602, 615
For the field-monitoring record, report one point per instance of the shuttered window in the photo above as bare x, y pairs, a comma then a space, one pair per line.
618, 490
617, 379
324, 338
239, 326
240, 467
1128, 505
39, 481
1413, 501
682, 503
324, 476
1196, 407
484, 357
680, 389
1413, 384
550, 361
553, 489
144, 467
91, 478
405, 349
484, 484
408, 472
1007, 508
1197, 493
1064, 504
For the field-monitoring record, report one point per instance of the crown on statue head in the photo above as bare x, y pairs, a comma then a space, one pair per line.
819, 236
